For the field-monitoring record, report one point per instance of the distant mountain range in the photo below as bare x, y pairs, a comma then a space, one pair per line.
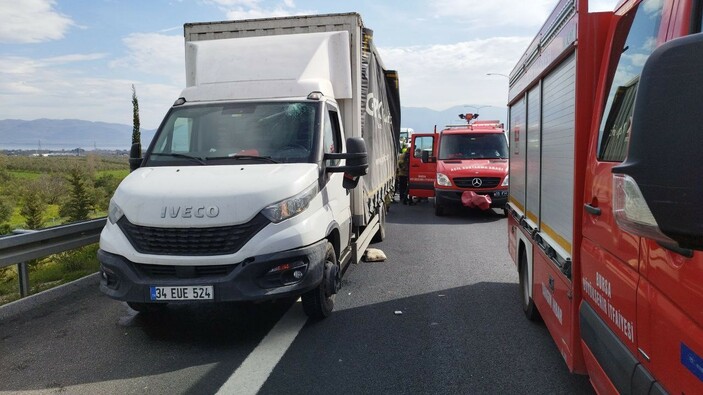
68, 134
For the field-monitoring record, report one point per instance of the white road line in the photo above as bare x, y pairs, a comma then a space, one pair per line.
255, 370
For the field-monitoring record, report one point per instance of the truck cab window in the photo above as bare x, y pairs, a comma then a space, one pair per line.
643, 24
423, 143
331, 141
242, 133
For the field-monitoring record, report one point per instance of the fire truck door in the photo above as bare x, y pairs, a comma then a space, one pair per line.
422, 174
610, 256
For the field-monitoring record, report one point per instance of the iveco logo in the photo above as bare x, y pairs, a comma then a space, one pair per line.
476, 182
190, 211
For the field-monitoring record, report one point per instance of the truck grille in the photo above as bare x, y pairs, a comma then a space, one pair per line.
171, 271
191, 241
467, 182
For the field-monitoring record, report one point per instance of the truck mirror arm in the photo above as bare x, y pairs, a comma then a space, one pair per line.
357, 162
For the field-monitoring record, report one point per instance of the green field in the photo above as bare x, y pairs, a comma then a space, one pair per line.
50, 187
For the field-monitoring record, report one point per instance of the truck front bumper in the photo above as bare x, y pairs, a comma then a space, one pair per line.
250, 280
452, 197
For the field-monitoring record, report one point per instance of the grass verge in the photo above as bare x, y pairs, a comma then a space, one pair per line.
50, 272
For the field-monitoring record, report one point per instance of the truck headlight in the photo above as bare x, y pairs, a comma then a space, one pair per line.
631, 211
443, 180
114, 212
506, 181
292, 206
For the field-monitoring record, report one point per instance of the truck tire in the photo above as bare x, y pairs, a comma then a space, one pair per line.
528, 305
381, 233
319, 302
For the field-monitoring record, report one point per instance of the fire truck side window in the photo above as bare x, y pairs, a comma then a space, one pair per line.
635, 49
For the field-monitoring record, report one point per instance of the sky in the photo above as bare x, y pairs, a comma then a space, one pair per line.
78, 59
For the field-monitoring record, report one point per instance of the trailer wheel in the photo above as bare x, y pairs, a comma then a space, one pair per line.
528, 305
319, 302
381, 233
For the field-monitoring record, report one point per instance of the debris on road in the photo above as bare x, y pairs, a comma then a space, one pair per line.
398, 312
374, 255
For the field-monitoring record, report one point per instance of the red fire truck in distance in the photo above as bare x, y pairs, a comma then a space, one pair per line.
606, 191
469, 163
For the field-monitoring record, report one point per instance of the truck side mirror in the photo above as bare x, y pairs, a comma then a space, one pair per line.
658, 189
427, 158
135, 157
356, 162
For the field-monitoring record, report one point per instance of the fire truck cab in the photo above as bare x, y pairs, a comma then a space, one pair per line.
471, 160
606, 220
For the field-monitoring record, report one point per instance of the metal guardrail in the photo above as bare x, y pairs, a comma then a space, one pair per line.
17, 249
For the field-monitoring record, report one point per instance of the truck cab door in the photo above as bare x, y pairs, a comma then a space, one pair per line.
334, 194
422, 174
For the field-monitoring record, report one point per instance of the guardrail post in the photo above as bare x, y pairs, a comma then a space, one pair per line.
23, 274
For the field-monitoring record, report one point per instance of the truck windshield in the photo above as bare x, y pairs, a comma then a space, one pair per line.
473, 146
251, 133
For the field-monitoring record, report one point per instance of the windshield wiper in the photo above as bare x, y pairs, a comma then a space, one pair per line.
244, 157
177, 155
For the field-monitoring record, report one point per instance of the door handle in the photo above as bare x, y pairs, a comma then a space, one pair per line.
591, 209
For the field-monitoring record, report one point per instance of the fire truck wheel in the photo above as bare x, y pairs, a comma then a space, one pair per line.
528, 305
438, 209
319, 302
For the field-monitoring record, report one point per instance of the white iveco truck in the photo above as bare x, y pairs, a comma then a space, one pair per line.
267, 177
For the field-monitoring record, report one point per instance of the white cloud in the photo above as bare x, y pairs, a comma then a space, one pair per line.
441, 76
156, 54
37, 88
252, 9
491, 13
31, 21
601, 5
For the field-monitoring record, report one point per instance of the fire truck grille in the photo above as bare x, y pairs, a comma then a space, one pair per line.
191, 241
469, 182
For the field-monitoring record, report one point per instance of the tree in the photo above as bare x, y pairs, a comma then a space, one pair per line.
33, 208
105, 186
81, 200
52, 187
136, 134
6, 209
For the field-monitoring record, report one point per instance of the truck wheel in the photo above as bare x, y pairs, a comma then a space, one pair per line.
146, 308
381, 233
319, 302
528, 305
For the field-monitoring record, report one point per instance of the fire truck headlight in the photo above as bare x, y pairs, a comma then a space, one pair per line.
506, 181
443, 180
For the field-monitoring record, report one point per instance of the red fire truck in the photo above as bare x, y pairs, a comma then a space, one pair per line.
606, 192
463, 165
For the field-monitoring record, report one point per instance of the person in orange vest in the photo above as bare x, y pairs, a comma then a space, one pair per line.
402, 172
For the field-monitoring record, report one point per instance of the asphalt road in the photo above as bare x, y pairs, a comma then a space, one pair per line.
440, 316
